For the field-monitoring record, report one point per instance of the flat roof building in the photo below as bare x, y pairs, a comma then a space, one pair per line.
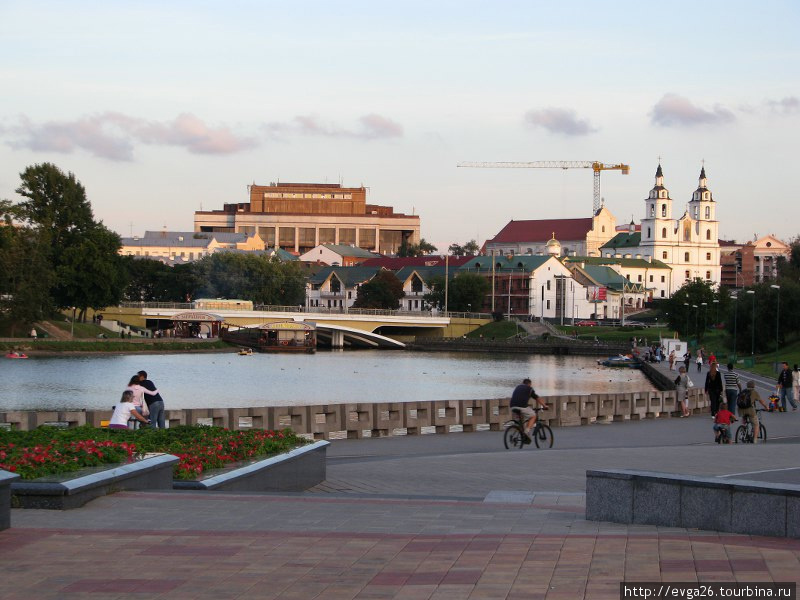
300, 216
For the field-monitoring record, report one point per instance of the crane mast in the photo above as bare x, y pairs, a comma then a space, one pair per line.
595, 165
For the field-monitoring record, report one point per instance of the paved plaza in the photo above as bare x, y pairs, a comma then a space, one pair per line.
423, 517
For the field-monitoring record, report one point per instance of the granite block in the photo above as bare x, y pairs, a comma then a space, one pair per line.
706, 507
609, 497
757, 513
6, 479
793, 517
656, 503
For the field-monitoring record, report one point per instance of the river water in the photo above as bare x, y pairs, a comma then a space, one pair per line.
228, 380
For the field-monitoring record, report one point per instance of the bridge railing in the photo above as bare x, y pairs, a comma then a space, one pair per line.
323, 310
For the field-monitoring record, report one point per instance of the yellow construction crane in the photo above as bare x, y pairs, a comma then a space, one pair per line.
596, 166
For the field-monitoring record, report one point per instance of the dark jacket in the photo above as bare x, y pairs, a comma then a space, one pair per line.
785, 378
713, 384
149, 385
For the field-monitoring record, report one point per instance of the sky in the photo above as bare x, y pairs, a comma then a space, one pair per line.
161, 108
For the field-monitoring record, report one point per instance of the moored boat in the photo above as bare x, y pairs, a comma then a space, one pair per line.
15, 354
279, 336
620, 361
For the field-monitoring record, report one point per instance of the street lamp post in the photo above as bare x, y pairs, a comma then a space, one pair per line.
716, 312
686, 304
753, 338
705, 320
735, 299
696, 312
777, 322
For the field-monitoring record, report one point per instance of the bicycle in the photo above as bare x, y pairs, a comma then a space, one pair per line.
744, 433
514, 436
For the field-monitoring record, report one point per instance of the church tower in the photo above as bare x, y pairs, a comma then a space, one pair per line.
702, 210
658, 226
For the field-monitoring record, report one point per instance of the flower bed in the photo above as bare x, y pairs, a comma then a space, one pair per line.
47, 451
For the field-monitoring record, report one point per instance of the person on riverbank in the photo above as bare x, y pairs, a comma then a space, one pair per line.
732, 387
124, 411
520, 398
699, 360
682, 391
687, 358
672, 360
138, 395
714, 387
155, 403
785, 385
796, 384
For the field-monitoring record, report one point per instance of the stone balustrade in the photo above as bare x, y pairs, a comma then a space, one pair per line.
359, 420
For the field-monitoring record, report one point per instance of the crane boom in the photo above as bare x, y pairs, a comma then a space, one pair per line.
595, 165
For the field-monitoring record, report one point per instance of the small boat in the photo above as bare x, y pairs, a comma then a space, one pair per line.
246, 352
620, 361
15, 354
279, 336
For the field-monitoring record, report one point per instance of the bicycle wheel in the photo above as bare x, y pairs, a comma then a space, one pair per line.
543, 436
513, 437
741, 435
762, 434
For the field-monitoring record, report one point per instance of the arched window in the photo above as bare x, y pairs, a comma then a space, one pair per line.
664, 255
603, 229
708, 234
685, 257
648, 232
652, 210
663, 194
663, 210
664, 232
708, 212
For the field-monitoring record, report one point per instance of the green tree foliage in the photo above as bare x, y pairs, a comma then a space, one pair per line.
686, 313
471, 248
25, 274
465, 292
422, 249
761, 308
83, 254
382, 291
258, 278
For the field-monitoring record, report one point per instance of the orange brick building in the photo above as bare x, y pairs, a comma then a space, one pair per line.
301, 216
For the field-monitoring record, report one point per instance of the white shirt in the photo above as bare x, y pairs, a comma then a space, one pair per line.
122, 413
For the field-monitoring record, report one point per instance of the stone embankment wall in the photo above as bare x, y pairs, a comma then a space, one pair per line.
554, 345
338, 421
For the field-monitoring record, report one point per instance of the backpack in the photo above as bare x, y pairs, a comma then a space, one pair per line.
744, 400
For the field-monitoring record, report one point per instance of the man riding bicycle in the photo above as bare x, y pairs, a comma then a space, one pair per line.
747, 407
519, 399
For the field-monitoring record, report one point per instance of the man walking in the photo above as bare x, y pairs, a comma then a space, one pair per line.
785, 387
732, 387
155, 403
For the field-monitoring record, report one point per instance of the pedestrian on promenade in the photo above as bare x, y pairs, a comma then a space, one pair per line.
687, 358
34, 333
712, 358
672, 360
796, 384
713, 387
732, 387
699, 360
785, 384
682, 384
155, 403
747, 407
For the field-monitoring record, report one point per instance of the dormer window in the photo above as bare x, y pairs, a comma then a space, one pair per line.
705, 195
663, 194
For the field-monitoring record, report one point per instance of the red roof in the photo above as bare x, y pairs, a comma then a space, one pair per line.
543, 230
396, 262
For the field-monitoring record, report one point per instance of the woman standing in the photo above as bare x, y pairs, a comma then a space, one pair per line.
714, 387
138, 395
682, 388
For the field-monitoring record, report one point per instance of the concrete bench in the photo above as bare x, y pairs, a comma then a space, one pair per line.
711, 503
6, 479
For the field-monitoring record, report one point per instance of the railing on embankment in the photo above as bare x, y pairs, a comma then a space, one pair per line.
338, 421
558, 346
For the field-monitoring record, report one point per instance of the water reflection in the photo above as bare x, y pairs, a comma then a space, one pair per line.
229, 380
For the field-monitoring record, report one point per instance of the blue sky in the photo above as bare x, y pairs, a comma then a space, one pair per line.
160, 108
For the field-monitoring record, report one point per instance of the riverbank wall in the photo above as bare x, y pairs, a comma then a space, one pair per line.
360, 420
553, 345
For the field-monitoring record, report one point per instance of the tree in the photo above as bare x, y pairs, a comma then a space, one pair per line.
382, 291
686, 313
456, 250
471, 248
465, 292
83, 254
421, 249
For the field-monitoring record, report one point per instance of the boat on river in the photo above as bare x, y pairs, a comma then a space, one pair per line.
279, 336
15, 354
620, 360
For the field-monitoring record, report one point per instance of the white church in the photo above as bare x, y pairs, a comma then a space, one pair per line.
688, 244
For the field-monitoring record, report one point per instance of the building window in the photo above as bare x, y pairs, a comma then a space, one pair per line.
651, 279
648, 232
548, 305
327, 235
548, 289
652, 210
708, 255
663, 210
708, 274
685, 257
603, 229
663, 279
662, 293
664, 255
687, 275
664, 232
708, 234
639, 278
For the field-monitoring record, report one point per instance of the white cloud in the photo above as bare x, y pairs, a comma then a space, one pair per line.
674, 110
112, 135
370, 127
788, 106
561, 121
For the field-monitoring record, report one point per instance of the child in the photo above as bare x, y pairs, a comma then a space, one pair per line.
722, 423
124, 411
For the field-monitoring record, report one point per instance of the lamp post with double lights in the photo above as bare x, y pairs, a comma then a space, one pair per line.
735, 299
686, 304
753, 338
705, 320
777, 321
